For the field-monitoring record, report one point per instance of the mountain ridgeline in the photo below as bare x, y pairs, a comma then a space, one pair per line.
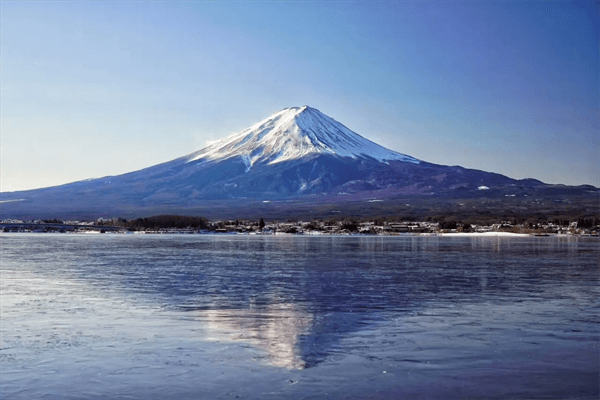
298, 155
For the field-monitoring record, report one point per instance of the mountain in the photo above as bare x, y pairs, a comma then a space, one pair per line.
297, 155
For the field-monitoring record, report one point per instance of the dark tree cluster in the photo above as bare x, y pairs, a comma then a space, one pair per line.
314, 225
157, 222
350, 225
169, 222
587, 223
448, 224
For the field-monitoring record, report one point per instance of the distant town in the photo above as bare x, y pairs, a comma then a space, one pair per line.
170, 224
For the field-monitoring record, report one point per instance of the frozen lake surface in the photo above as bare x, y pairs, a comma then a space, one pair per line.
296, 317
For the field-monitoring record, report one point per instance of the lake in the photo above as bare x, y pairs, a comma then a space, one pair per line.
298, 317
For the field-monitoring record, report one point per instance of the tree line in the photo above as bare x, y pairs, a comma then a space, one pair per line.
158, 222
349, 223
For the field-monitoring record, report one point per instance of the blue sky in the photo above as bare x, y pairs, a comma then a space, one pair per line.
98, 88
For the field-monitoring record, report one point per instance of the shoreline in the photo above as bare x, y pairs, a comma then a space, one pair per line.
424, 234
492, 234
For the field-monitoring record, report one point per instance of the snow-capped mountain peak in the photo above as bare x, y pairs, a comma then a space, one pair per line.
295, 133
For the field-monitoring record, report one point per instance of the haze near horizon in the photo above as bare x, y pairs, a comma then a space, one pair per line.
91, 89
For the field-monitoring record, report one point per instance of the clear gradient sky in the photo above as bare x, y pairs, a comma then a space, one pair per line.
98, 88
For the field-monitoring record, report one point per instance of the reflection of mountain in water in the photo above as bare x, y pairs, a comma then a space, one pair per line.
275, 329
292, 338
299, 298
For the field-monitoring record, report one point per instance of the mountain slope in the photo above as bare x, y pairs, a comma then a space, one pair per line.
298, 153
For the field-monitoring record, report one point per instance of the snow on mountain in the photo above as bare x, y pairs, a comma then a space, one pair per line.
294, 133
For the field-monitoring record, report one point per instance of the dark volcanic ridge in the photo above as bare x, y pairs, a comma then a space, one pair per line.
297, 159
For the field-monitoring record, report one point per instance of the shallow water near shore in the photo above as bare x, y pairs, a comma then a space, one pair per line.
272, 317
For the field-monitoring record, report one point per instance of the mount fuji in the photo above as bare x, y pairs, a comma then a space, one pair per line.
297, 154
